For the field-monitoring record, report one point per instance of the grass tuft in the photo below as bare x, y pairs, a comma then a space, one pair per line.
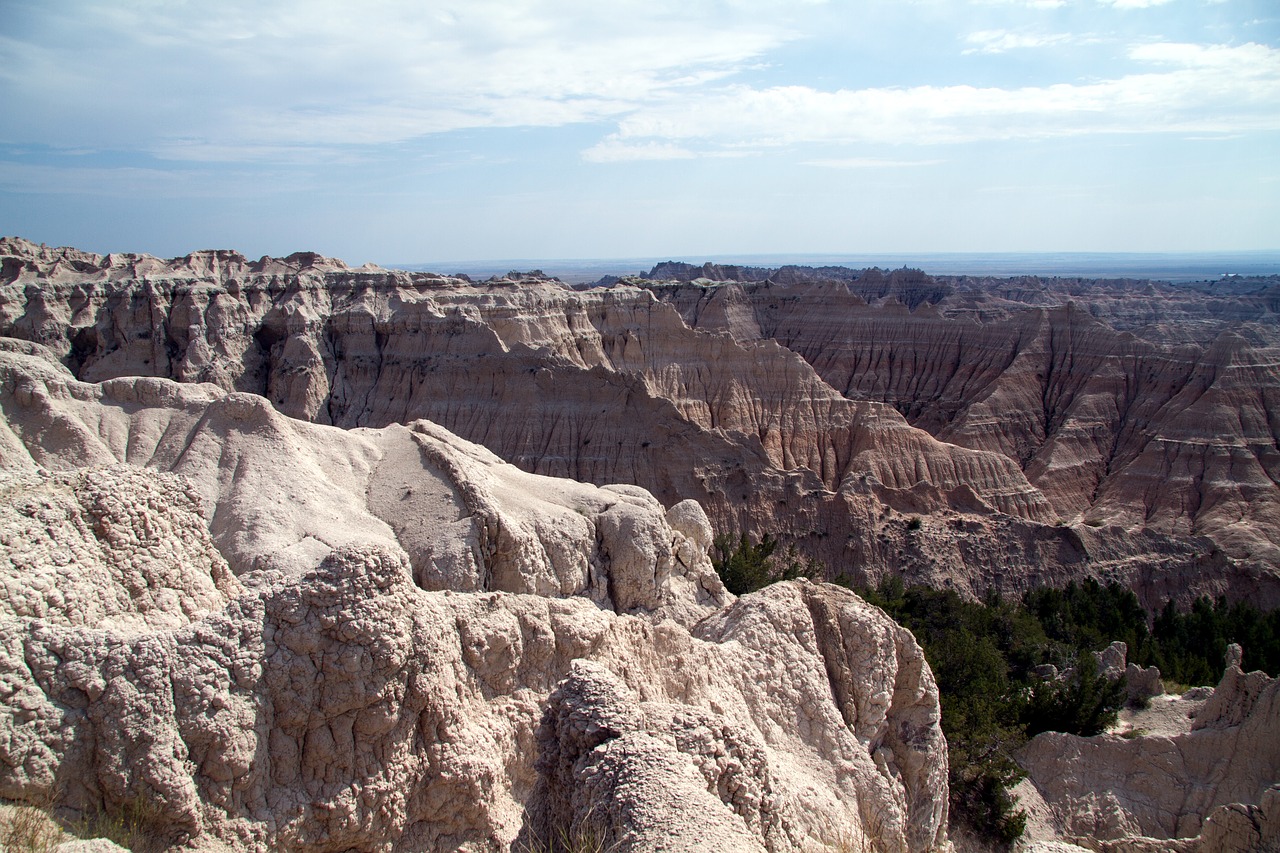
131, 826
28, 829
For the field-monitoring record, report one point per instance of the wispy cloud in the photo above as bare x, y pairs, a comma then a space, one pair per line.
1198, 88
141, 182
1001, 41
308, 83
614, 150
1134, 4
869, 163
1030, 4
248, 80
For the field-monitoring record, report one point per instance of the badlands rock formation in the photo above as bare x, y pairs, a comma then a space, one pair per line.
255, 632
882, 423
1126, 405
1213, 789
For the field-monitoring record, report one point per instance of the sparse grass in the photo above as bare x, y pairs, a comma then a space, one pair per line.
28, 829
837, 837
580, 837
1130, 734
843, 844
32, 828
131, 826
1138, 703
575, 840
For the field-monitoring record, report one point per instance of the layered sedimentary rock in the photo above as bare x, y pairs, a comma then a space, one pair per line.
685, 391
278, 495
1210, 790
1171, 432
247, 630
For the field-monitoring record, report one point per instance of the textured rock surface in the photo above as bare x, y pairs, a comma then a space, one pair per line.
1208, 789
257, 633
1132, 404
116, 548
346, 708
278, 495
615, 385
1141, 683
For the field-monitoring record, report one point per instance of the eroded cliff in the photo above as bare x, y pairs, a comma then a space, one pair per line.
1211, 789
1127, 405
983, 443
247, 630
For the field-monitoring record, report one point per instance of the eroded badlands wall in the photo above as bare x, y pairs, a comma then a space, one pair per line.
1128, 404
253, 631
614, 385
1213, 789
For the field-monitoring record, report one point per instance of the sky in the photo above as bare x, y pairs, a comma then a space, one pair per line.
409, 132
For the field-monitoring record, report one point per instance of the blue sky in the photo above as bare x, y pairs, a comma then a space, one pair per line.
401, 132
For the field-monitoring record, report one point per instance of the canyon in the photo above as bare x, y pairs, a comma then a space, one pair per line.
991, 435
298, 556
239, 630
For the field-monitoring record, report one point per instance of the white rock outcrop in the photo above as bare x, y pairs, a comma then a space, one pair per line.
261, 634
278, 494
1209, 790
1141, 682
346, 708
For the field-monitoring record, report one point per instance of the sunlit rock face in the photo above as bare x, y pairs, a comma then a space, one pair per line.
250, 632
1212, 789
977, 433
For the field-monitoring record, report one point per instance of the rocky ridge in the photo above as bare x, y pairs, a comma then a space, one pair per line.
1129, 404
1209, 789
638, 384
260, 633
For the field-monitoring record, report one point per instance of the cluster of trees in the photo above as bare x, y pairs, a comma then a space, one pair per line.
1189, 648
985, 654
745, 567
984, 657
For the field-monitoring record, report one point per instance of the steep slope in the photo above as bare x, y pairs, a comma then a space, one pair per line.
422, 647
615, 385
1210, 790
280, 494
1109, 427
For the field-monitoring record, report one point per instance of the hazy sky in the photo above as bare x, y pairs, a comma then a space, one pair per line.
399, 132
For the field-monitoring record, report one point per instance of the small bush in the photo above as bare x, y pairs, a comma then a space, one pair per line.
581, 836
569, 841
745, 567
1085, 703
